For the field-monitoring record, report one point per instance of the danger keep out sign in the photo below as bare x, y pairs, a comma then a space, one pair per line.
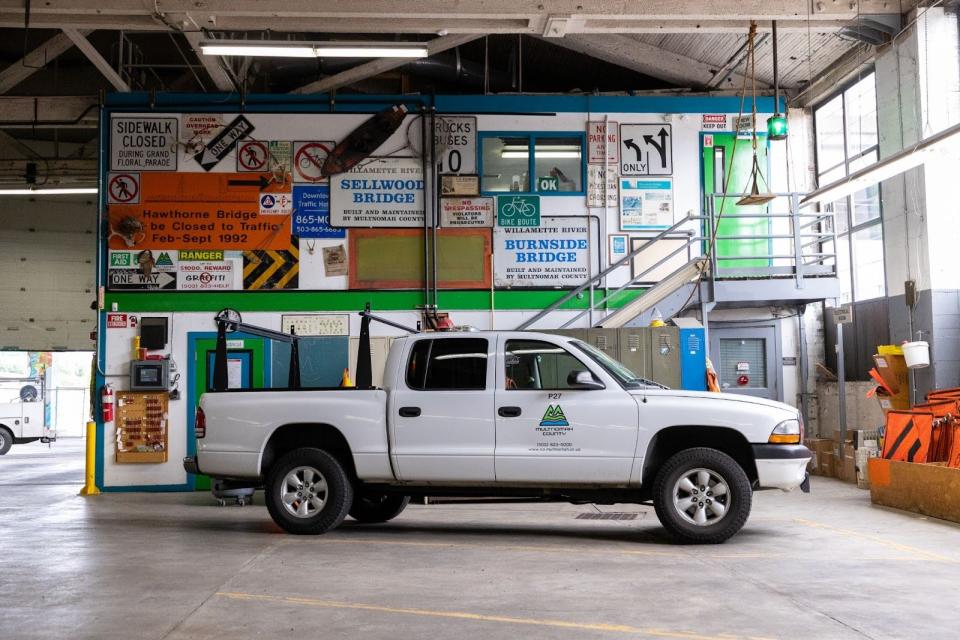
143, 143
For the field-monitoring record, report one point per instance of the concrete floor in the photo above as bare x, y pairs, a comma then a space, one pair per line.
124, 566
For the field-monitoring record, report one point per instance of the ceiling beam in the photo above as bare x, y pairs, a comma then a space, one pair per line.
380, 65
24, 112
34, 61
212, 64
19, 149
432, 16
837, 73
645, 58
98, 60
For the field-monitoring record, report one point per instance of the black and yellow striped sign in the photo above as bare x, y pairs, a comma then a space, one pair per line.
272, 269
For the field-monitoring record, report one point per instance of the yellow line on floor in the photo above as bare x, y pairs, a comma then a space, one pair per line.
917, 553
463, 615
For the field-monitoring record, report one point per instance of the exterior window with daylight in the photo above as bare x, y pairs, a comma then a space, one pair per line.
846, 141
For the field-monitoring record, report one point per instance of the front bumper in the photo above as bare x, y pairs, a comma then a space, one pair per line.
190, 465
781, 466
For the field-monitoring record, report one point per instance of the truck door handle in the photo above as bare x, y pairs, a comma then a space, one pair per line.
509, 412
409, 412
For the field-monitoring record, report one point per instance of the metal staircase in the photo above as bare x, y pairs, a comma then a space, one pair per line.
788, 257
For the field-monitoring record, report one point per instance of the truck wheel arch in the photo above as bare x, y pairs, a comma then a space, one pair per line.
671, 440
288, 437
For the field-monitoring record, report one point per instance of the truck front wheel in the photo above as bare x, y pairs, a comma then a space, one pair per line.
308, 492
702, 496
372, 509
6, 440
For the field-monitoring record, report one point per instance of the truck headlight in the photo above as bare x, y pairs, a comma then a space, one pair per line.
787, 432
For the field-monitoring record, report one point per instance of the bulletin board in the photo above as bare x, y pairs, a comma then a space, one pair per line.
393, 259
141, 421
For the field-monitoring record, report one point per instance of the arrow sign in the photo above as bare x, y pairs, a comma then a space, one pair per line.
223, 143
646, 150
633, 145
661, 148
260, 182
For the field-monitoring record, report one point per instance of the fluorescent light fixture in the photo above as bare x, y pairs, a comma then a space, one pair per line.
53, 191
282, 49
887, 168
540, 154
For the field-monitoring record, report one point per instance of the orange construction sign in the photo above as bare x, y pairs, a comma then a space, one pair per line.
907, 436
208, 210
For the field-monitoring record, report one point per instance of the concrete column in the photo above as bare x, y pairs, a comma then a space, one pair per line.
918, 94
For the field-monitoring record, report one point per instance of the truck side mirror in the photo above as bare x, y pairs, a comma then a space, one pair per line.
584, 380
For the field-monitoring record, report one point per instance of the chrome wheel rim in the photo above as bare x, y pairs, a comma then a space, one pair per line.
3, 439
701, 497
303, 492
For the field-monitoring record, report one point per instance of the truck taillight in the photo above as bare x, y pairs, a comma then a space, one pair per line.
200, 425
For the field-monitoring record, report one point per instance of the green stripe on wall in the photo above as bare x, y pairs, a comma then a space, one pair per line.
459, 300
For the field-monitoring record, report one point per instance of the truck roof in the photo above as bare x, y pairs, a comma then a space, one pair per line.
486, 333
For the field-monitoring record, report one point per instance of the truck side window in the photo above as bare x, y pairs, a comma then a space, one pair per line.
448, 364
532, 364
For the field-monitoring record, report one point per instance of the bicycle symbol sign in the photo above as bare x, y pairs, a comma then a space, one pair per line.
124, 188
518, 211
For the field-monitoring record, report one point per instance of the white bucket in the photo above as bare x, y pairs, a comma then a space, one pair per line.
917, 354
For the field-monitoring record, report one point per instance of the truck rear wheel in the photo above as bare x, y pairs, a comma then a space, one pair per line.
371, 508
702, 496
6, 440
308, 492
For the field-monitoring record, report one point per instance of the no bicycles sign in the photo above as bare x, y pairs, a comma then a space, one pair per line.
518, 211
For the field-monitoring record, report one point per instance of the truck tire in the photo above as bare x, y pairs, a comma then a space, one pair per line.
6, 440
702, 496
308, 492
373, 509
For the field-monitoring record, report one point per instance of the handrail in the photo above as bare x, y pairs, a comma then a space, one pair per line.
600, 276
791, 239
633, 280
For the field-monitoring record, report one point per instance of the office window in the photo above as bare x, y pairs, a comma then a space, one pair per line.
448, 364
546, 164
846, 141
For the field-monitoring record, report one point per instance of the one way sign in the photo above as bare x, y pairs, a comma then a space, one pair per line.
223, 143
646, 150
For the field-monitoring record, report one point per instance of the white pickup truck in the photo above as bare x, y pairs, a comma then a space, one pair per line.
520, 414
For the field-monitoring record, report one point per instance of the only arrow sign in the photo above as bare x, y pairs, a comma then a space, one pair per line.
661, 148
633, 145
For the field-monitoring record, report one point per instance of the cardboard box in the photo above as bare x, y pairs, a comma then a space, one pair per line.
931, 489
822, 462
849, 440
894, 373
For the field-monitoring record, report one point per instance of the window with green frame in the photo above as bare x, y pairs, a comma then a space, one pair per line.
548, 163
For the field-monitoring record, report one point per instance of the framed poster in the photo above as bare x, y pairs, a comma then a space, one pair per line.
617, 249
456, 185
646, 203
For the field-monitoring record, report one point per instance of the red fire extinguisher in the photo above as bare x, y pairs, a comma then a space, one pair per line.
106, 403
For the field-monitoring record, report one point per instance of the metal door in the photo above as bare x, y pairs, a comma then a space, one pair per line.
746, 360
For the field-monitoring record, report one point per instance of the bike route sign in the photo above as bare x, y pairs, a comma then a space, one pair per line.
518, 211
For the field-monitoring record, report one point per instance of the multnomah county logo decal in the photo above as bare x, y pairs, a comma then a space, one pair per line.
553, 417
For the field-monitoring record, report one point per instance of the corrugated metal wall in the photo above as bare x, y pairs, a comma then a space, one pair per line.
47, 266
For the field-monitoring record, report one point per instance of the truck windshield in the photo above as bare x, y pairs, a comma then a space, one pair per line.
626, 377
